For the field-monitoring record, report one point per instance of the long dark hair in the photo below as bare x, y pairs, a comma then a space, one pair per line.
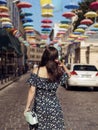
48, 59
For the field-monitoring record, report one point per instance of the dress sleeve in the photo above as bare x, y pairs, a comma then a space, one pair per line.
63, 79
32, 80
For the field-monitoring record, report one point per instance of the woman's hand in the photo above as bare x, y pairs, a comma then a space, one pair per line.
26, 110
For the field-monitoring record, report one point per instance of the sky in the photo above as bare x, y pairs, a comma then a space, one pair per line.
36, 10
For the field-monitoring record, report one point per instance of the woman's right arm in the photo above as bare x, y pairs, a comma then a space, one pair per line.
30, 97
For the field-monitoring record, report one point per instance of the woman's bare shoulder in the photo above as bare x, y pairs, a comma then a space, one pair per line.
35, 70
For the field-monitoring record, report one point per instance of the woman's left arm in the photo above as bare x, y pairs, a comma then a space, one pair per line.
30, 97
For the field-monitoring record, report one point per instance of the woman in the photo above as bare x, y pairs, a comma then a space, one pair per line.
45, 80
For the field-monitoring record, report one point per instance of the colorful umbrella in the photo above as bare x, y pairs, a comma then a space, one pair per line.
27, 20
4, 9
24, 5
46, 21
72, 6
45, 29
86, 21
64, 26
3, 2
66, 21
6, 23
82, 26
2, 14
94, 5
90, 32
47, 14
90, 14
94, 29
96, 25
5, 19
68, 14
28, 28
46, 26
48, 6
23, 14
27, 24
79, 30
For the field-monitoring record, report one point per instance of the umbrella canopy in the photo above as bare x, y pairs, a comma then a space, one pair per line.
64, 26
27, 24
2, 14
29, 31
7, 23
82, 26
79, 30
47, 14
3, 2
48, 6
5, 19
86, 21
46, 26
72, 6
94, 29
46, 21
7, 26
45, 29
96, 25
23, 14
77, 33
27, 20
68, 14
28, 28
94, 5
90, 32
3, 9
90, 14
66, 21
24, 5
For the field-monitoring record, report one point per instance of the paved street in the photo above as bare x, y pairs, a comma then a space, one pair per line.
80, 107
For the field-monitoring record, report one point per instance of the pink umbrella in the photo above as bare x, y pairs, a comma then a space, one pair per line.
24, 5
86, 21
45, 26
4, 15
46, 21
94, 5
68, 14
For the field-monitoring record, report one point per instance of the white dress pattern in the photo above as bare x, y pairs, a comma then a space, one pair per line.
46, 104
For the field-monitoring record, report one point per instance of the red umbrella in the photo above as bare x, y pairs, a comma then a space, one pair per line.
46, 26
4, 15
86, 21
46, 21
94, 5
44, 36
68, 14
24, 5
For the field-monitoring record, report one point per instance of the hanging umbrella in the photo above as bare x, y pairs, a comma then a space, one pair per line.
96, 25
5, 19
82, 26
27, 20
47, 14
90, 14
24, 5
48, 6
45, 29
79, 30
4, 9
3, 2
4, 23
94, 5
4, 14
44, 36
94, 29
73, 36
90, 32
23, 14
28, 28
46, 26
77, 33
66, 21
29, 31
72, 6
46, 21
64, 26
61, 32
68, 14
86, 21
27, 24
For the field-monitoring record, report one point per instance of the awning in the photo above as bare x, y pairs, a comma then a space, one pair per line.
8, 41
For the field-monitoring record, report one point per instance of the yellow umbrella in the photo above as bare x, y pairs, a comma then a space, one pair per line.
47, 14
64, 26
3, 9
91, 14
5, 20
96, 25
73, 36
28, 28
79, 30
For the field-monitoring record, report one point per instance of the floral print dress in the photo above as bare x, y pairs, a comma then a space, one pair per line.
46, 104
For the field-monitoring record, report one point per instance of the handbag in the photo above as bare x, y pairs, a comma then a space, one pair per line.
31, 117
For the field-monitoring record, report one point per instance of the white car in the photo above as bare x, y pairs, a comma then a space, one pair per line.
83, 75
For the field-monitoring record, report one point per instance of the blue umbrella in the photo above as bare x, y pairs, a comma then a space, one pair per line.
71, 6
66, 21
27, 20
26, 14
3, 2
27, 24
94, 29
7, 26
78, 33
45, 29
82, 26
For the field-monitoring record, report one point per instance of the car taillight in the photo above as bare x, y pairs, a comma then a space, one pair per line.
97, 74
73, 73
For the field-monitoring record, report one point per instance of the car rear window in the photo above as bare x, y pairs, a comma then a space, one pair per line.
85, 68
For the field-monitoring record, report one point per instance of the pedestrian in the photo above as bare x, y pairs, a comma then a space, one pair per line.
44, 82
